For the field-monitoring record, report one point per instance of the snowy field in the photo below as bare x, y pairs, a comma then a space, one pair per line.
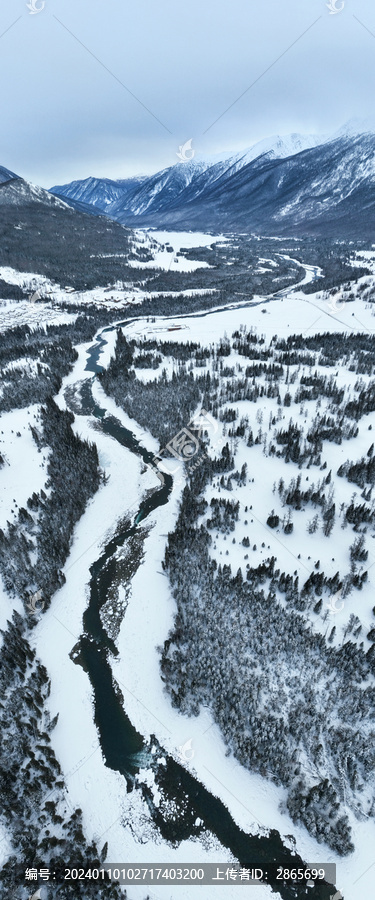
17, 480
178, 239
293, 314
22, 312
120, 295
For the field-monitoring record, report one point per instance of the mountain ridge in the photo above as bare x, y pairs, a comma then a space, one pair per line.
324, 189
106, 193
327, 189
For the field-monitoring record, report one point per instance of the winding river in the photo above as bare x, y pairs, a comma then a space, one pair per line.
124, 749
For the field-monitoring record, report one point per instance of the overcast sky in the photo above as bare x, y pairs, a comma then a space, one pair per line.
65, 114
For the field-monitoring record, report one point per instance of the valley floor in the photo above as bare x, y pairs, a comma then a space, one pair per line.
109, 813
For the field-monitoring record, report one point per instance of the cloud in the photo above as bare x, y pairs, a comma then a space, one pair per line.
87, 84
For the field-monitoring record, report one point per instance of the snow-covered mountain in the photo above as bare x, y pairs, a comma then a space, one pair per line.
328, 189
279, 146
141, 193
289, 184
98, 192
356, 126
135, 194
15, 191
6, 175
46, 236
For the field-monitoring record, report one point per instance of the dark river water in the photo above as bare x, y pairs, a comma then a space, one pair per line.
124, 749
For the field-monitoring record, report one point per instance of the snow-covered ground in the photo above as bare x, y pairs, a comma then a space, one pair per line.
178, 239
110, 814
304, 318
147, 621
294, 314
22, 312
280, 313
7, 605
120, 295
253, 801
17, 480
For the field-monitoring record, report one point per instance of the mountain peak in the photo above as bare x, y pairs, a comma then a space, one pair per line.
356, 126
16, 191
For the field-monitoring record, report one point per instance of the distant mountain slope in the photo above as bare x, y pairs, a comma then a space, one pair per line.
327, 190
18, 192
98, 192
134, 194
6, 175
282, 185
80, 206
139, 194
14, 190
43, 234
